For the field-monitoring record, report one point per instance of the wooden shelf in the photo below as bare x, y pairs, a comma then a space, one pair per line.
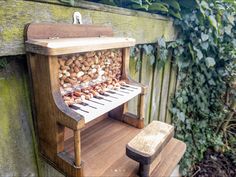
61, 46
103, 151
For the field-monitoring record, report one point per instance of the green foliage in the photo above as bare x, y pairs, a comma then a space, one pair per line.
205, 54
166, 7
71, 2
3, 63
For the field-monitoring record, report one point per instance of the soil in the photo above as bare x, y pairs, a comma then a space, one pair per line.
215, 164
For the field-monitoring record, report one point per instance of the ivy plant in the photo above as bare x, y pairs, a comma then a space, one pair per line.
205, 53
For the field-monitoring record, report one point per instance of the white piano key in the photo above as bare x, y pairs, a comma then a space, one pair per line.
107, 105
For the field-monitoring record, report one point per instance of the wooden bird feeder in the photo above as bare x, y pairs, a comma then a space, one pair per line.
81, 87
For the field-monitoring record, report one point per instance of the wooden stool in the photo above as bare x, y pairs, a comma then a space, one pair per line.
146, 146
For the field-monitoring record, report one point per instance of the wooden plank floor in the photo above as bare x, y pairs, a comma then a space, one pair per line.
103, 151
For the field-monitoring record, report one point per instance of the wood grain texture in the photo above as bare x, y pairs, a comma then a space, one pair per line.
134, 74
62, 46
52, 114
62, 30
144, 29
165, 90
150, 140
171, 93
146, 79
146, 146
156, 92
171, 156
103, 149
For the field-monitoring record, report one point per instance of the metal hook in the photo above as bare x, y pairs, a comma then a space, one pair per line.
77, 18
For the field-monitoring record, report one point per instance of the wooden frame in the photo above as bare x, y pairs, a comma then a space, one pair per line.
52, 115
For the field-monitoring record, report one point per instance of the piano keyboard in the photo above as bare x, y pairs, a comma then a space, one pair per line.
101, 104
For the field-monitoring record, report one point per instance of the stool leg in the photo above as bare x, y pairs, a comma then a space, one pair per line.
144, 170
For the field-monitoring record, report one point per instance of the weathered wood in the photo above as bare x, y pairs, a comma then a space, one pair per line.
146, 78
164, 90
144, 29
64, 46
171, 93
106, 8
134, 74
146, 146
18, 150
171, 156
156, 92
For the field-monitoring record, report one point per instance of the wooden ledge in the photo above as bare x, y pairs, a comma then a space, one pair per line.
61, 46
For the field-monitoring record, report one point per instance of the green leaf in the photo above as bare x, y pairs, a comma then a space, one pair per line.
148, 49
139, 2
139, 7
191, 51
189, 4
157, 7
108, 2
204, 37
175, 14
213, 21
199, 53
228, 29
204, 5
173, 3
210, 62
231, 19
152, 59
161, 42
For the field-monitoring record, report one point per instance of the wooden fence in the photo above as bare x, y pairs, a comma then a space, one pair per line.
161, 82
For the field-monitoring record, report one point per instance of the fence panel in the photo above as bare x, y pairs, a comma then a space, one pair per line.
161, 82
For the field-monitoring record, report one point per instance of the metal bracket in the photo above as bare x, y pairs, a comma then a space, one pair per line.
77, 18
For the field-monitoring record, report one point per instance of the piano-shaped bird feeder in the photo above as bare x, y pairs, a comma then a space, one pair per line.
81, 89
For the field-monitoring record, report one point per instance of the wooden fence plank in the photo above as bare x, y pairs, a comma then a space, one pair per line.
164, 92
172, 87
156, 93
134, 74
146, 78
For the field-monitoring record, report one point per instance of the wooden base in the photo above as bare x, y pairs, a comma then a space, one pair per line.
103, 151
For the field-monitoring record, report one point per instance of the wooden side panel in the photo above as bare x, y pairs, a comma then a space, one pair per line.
164, 92
42, 96
146, 79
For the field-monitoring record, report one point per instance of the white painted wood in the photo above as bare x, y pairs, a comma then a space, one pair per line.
112, 101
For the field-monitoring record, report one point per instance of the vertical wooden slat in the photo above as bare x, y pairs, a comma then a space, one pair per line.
77, 144
146, 79
172, 86
134, 74
164, 90
156, 92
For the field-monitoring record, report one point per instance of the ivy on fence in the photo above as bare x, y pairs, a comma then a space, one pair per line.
205, 52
